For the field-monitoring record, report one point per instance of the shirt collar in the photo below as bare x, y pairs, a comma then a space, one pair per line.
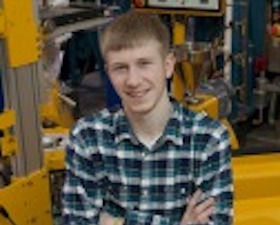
173, 131
123, 130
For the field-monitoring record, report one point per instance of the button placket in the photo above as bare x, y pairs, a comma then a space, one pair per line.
144, 176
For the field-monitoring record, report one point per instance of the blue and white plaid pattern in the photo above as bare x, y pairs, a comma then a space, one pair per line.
108, 169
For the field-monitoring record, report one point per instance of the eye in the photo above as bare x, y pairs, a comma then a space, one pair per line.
118, 68
145, 63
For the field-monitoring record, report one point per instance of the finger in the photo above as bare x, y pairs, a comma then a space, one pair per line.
202, 211
199, 212
189, 213
201, 207
195, 198
204, 216
193, 202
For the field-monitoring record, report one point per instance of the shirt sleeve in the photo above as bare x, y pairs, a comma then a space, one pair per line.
216, 176
84, 187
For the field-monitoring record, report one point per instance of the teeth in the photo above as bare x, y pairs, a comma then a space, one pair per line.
138, 94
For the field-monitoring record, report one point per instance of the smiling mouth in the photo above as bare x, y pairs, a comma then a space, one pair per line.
139, 94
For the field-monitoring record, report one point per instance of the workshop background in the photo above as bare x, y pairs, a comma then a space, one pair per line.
51, 74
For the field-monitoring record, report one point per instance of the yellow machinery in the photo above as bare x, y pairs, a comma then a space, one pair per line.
27, 195
25, 199
57, 109
8, 141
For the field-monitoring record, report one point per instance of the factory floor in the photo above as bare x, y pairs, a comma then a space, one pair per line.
259, 137
262, 211
257, 189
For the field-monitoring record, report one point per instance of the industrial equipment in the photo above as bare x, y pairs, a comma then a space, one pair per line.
30, 174
178, 4
193, 85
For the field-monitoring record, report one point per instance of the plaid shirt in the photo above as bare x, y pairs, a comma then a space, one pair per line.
109, 170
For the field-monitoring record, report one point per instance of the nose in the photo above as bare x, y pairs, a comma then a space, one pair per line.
133, 77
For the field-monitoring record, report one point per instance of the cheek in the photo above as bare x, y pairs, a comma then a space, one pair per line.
113, 80
156, 75
117, 83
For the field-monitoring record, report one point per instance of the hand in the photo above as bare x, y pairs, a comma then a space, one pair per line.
196, 212
107, 219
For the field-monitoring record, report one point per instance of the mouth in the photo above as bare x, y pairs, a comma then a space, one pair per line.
137, 94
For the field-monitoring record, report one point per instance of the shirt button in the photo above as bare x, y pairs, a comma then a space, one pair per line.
144, 154
144, 192
183, 190
204, 156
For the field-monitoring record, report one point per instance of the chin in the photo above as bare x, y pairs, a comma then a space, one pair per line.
139, 109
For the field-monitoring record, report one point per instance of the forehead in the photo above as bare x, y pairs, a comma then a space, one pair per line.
145, 49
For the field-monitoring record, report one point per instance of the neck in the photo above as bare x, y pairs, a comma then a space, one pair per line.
149, 127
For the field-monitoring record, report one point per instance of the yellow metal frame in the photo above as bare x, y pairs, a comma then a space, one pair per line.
54, 158
8, 141
233, 138
207, 103
19, 29
56, 110
28, 200
210, 105
184, 81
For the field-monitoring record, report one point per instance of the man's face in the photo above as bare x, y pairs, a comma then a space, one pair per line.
139, 76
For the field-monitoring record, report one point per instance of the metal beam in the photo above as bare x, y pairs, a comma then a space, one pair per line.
22, 86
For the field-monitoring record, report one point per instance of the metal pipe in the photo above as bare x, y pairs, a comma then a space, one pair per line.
228, 40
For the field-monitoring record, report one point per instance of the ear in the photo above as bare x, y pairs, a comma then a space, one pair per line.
170, 62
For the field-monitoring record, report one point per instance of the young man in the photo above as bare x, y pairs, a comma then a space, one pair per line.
152, 161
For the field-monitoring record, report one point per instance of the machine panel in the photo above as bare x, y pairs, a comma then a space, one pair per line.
185, 4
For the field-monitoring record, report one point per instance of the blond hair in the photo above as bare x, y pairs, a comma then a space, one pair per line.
133, 29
